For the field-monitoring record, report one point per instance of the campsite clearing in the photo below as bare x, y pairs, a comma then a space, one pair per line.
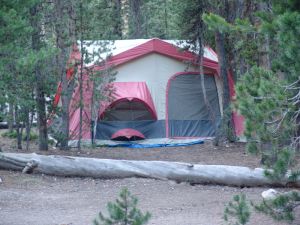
48, 200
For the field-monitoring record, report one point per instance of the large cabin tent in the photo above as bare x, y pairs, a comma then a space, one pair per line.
156, 97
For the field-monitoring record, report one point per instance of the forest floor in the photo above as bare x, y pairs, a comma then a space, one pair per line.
38, 199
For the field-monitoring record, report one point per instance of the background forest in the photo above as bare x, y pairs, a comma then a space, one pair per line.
256, 40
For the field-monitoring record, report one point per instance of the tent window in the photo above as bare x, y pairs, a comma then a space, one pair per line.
126, 110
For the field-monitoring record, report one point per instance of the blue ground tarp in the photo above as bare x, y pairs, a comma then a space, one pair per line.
136, 145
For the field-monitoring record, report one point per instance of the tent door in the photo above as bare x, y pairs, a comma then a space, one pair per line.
188, 114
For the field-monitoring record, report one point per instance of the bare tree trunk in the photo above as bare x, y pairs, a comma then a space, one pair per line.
27, 128
11, 117
42, 119
220, 46
136, 19
226, 128
118, 15
65, 37
80, 78
39, 85
18, 128
95, 107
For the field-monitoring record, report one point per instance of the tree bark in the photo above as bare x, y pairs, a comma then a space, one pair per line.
226, 128
18, 128
61, 62
136, 30
117, 169
220, 46
10, 120
27, 128
65, 38
118, 17
39, 85
81, 77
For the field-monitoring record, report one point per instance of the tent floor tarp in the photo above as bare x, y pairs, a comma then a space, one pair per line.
148, 143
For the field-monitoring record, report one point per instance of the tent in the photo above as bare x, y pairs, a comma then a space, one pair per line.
157, 95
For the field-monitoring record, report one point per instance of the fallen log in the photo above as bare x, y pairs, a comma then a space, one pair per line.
116, 169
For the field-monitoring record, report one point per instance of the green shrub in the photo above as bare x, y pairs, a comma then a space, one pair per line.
123, 211
237, 211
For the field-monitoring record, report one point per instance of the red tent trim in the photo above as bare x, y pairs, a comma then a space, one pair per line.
161, 47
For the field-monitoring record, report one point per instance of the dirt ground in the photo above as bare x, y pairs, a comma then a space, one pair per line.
48, 200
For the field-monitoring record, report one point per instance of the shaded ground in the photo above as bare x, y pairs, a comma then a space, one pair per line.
207, 153
48, 200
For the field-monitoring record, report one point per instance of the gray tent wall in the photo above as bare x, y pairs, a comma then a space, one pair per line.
149, 128
188, 115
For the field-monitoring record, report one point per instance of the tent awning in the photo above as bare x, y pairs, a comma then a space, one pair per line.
131, 91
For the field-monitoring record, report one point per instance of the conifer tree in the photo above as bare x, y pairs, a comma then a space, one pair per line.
123, 211
267, 96
282, 207
40, 77
19, 59
238, 209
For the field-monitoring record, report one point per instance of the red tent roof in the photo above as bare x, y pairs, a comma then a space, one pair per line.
161, 47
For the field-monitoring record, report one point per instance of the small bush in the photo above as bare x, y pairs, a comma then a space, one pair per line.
237, 212
123, 211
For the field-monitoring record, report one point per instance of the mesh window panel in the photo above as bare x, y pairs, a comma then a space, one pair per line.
128, 111
188, 114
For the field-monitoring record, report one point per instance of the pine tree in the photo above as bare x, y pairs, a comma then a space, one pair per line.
238, 209
159, 19
40, 92
282, 207
123, 212
267, 93
19, 60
